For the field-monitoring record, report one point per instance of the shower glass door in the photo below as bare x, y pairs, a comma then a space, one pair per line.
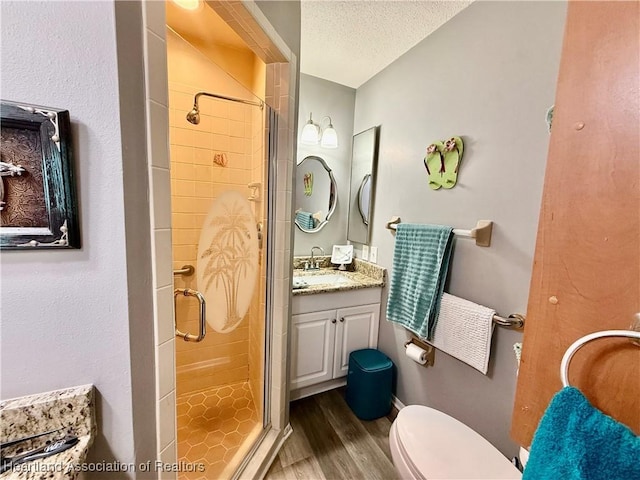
219, 181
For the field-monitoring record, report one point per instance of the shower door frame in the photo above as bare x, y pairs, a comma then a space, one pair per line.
281, 77
271, 119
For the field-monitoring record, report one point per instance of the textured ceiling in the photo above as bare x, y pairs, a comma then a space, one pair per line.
348, 42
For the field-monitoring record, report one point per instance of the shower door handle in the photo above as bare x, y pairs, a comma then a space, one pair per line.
187, 292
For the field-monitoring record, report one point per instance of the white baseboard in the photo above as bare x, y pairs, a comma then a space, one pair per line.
397, 403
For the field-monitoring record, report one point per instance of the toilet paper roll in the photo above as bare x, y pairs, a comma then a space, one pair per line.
417, 354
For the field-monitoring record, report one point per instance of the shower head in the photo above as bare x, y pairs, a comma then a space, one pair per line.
194, 115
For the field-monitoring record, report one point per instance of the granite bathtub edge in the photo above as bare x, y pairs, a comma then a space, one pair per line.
69, 408
66, 465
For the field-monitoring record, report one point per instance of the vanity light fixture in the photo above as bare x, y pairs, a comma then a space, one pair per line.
312, 134
329, 136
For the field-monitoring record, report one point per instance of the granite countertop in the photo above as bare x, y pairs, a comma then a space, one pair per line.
359, 274
71, 410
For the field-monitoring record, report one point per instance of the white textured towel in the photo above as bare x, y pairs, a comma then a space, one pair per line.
464, 331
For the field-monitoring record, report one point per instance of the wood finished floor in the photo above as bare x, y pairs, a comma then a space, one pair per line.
330, 443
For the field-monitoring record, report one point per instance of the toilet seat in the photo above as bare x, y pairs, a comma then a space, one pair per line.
433, 445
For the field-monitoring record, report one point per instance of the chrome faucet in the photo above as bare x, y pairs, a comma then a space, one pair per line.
311, 265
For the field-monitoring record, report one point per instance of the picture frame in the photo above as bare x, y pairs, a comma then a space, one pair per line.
38, 205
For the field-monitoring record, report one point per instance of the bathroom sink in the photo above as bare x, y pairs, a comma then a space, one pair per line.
302, 281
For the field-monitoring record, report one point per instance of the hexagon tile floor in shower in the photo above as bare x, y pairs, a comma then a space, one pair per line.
212, 425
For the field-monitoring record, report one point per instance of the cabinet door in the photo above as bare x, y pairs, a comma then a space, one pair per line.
312, 348
357, 329
585, 274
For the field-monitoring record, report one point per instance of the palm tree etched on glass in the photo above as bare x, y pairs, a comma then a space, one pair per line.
228, 260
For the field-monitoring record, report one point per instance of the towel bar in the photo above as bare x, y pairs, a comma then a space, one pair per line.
481, 232
186, 270
514, 321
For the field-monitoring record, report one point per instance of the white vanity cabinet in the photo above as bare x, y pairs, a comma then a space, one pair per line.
322, 339
357, 328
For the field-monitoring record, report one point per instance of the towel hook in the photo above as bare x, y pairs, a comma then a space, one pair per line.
575, 346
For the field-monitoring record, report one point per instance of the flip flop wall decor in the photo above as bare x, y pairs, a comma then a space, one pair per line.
442, 162
434, 163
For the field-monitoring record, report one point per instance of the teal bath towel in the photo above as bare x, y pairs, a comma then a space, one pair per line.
420, 265
575, 441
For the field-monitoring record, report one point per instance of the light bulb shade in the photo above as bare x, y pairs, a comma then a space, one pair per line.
309, 134
329, 138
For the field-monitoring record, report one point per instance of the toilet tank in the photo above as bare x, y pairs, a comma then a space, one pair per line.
441, 447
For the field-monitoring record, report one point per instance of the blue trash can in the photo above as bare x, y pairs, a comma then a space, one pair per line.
369, 383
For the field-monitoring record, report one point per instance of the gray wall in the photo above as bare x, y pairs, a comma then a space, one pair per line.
322, 97
65, 314
489, 76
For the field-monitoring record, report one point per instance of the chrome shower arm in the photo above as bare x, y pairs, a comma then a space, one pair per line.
215, 95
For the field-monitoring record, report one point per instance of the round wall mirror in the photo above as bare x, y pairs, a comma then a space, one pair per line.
316, 194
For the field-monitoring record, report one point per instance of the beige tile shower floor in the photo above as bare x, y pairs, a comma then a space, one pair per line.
213, 426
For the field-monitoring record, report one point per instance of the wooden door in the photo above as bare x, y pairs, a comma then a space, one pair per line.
312, 342
586, 273
357, 329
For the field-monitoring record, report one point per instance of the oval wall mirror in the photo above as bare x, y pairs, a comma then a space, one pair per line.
316, 194
364, 159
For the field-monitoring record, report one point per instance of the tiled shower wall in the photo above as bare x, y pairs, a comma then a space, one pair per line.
225, 127
280, 88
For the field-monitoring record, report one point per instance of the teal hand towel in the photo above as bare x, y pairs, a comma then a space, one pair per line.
305, 220
420, 265
575, 441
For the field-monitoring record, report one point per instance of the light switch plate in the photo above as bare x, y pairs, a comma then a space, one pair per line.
365, 252
373, 254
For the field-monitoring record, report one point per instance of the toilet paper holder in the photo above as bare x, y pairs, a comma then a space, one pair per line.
431, 351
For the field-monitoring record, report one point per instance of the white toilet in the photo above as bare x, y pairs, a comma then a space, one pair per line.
428, 444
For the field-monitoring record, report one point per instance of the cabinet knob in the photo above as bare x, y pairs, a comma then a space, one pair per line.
333, 321
342, 319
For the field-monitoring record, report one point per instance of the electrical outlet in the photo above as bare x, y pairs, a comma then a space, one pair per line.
373, 254
365, 252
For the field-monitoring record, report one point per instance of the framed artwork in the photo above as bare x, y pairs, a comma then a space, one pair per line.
38, 207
